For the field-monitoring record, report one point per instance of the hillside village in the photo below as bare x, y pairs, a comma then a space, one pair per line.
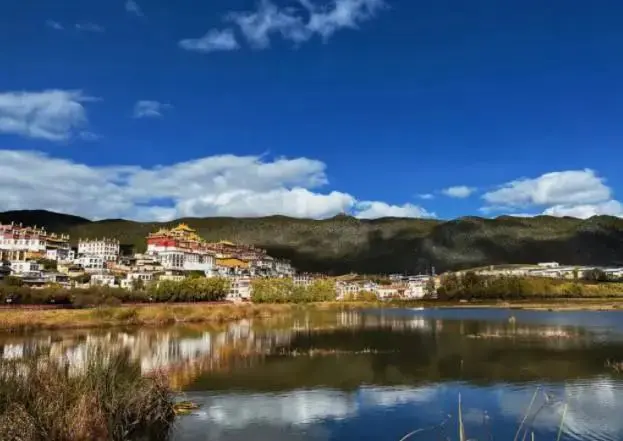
40, 258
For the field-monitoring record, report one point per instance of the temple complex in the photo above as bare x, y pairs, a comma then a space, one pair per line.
18, 243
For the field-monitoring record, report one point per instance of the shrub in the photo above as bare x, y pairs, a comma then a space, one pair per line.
105, 399
285, 291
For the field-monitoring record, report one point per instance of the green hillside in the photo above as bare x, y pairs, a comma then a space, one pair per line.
343, 244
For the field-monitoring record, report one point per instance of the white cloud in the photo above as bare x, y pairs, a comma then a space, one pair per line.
55, 115
426, 196
89, 27
589, 409
133, 8
565, 187
54, 25
610, 208
214, 40
224, 185
575, 193
345, 14
295, 24
149, 109
376, 209
459, 192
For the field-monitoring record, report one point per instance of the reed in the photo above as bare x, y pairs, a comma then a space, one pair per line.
103, 399
524, 431
143, 315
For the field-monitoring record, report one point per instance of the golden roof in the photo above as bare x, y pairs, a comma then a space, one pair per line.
183, 227
232, 262
226, 242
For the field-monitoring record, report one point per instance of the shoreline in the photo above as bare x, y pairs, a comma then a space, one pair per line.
20, 319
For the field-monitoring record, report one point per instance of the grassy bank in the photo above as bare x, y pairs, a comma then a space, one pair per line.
144, 315
159, 315
106, 399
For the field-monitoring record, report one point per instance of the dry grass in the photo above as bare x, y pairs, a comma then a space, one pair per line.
107, 400
145, 315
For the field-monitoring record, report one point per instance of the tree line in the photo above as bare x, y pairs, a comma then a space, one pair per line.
286, 291
474, 286
194, 289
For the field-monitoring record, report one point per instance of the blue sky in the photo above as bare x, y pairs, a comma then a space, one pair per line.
153, 109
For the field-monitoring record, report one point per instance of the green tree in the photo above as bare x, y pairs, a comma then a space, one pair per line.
48, 264
595, 275
430, 290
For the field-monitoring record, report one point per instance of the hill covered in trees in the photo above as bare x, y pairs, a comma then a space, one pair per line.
342, 244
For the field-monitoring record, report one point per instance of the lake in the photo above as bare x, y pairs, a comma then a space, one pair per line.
378, 374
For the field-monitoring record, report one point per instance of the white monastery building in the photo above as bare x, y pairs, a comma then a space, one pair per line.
107, 249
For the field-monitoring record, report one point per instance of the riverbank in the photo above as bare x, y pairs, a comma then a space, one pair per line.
18, 319
27, 319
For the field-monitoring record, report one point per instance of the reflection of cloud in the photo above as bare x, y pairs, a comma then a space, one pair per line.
594, 409
303, 407
298, 407
394, 396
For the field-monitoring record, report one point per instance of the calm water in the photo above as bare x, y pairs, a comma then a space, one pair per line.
379, 374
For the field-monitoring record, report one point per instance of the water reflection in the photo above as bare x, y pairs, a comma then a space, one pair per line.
374, 374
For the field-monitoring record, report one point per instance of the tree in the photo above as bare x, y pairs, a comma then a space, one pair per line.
595, 275
138, 285
49, 264
430, 290
14, 281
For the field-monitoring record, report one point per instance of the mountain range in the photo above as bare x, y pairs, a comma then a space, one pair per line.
345, 244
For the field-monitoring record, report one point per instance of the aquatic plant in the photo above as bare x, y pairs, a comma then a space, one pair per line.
524, 431
105, 399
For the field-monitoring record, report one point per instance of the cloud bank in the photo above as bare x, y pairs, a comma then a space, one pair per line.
222, 185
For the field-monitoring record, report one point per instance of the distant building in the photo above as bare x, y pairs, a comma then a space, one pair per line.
345, 290
91, 263
180, 248
21, 243
548, 264
19, 267
107, 249
302, 279
103, 279
240, 289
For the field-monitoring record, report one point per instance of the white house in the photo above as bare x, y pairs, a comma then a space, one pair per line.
302, 280
60, 254
240, 289
103, 279
91, 263
347, 290
387, 291
548, 264
25, 267
171, 260
133, 277
107, 249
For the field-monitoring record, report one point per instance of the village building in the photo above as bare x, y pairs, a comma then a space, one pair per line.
134, 280
103, 279
303, 279
107, 249
22, 243
91, 264
347, 290
20, 267
240, 289
180, 248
